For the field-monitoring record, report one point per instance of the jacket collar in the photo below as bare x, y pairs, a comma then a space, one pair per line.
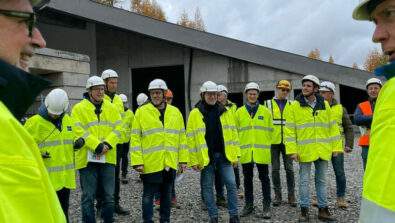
203, 107
320, 105
19, 89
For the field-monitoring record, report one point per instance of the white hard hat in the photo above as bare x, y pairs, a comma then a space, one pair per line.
311, 78
327, 86
252, 85
208, 86
123, 97
157, 84
373, 81
94, 81
222, 88
108, 73
141, 98
57, 101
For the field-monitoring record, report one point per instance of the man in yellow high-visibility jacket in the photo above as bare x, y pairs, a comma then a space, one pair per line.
127, 127
98, 122
279, 107
110, 78
213, 143
157, 149
312, 136
378, 197
26, 192
255, 126
53, 131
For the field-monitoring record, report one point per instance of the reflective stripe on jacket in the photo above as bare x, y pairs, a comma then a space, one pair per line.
26, 192
365, 132
196, 131
378, 197
155, 145
279, 119
127, 125
255, 135
59, 144
107, 129
312, 135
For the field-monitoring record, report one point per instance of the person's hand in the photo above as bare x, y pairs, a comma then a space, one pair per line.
235, 164
347, 149
140, 169
335, 154
105, 149
182, 166
295, 157
196, 168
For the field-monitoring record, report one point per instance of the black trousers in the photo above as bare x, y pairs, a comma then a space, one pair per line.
124, 159
248, 172
64, 198
117, 171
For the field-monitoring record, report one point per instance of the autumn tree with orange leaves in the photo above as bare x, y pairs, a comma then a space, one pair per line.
148, 8
331, 60
374, 59
355, 66
314, 54
197, 23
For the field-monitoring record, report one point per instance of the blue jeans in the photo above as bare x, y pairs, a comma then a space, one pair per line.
338, 167
97, 177
219, 184
320, 182
364, 154
149, 190
226, 171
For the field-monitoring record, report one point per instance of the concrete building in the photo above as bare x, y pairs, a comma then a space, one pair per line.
140, 49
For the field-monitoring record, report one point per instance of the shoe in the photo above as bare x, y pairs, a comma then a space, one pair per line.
175, 203
341, 203
221, 201
120, 210
234, 219
240, 193
125, 180
304, 215
214, 220
157, 204
292, 200
266, 211
324, 215
248, 209
277, 200
314, 203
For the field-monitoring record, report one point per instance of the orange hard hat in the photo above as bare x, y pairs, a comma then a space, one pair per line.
284, 84
169, 94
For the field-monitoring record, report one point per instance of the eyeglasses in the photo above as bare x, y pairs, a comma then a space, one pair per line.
97, 89
29, 18
169, 99
282, 89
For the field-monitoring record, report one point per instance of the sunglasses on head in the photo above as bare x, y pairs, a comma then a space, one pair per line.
28, 17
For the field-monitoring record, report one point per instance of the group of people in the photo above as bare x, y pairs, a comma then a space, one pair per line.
38, 167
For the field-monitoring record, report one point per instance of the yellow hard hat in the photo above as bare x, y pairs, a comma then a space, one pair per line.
284, 84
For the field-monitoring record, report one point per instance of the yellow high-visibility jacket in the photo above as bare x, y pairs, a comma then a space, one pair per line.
26, 192
337, 112
127, 125
95, 131
156, 145
231, 106
279, 119
196, 131
378, 197
255, 135
311, 134
118, 104
59, 144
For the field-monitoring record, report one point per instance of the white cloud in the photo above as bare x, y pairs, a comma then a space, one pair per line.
295, 26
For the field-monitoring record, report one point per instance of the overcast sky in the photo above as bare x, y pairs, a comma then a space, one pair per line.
295, 26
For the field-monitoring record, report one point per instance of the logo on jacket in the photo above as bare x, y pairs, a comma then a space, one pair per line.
260, 117
69, 128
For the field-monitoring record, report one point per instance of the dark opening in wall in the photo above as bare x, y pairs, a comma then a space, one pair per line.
172, 75
236, 98
265, 95
296, 92
350, 97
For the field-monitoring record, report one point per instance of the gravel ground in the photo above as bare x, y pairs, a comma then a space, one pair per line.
188, 193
